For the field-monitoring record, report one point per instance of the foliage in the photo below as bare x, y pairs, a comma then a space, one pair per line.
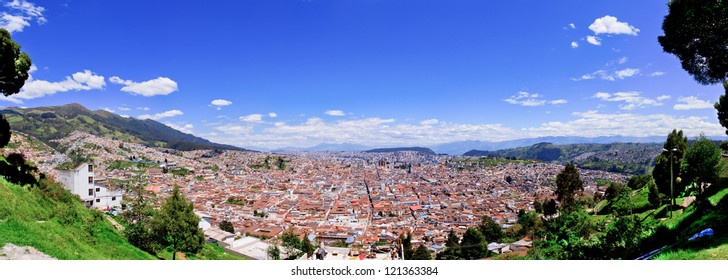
571, 235
138, 217
701, 163
661, 173
227, 226
4, 132
490, 229
696, 31
550, 208
623, 237
292, 243
274, 253
406, 240
17, 170
54, 221
422, 253
306, 246
637, 182
473, 246
14, 65
568, 186
452, 250
176, 225
654, 195
181, 171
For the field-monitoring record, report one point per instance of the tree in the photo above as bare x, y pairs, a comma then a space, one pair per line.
406, 240
306, 246
490, 229
4, 132
452, 250
637, 182
722, 107
701, 164
139, 216
474, 245
227, 226
568, 186
292, 243
696, 31
550, 208
667, 159
176, 225
274, 253
422, 253
14, 65
654, 195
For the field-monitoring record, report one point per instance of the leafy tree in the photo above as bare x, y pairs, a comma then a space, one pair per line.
623, 237
176, 225
227, 226
292, 243
722, 107
568, 186
139, 217
669, 158
406, 240
613, 190
696, 31
571, 235
654, 195
422, 253
452, 240
550, 208
529, 222
490, 229
274, 253
14, 65
620, 202
4, 132
306, 245
637, 182
702, 163
474, 245
452, 250
724, 145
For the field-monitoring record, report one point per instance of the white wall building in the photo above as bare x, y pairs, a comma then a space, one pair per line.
80, 181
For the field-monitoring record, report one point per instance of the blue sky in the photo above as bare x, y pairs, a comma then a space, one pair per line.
271, 73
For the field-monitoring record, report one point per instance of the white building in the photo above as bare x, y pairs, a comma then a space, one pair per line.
80, 181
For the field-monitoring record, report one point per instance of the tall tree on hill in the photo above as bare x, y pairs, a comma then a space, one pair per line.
474, 245
701, 164
696, 31
568, 186
674, 148
490, 229
176, 225
422, 253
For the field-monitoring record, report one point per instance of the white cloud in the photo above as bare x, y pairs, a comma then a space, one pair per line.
143, 108
655, 74
663, 97
604, 75
272, 115
158, 86
594, 40
335, 113
633, 99
123, 109
626, 73
252, 118
623, 60
186, 128
21, 13
388, 132
572, 26
692, 103
107, 109
78, 81
574, 44
429, 122
220, 102
610, 25
531, 99
167, 114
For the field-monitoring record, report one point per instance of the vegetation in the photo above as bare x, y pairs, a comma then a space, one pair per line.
568, 186
696, 32
274, 253
54, 221
227, 226
667, 165
422, 253
175, 225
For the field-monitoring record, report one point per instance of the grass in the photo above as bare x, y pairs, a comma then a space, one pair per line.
57, 224
210, 251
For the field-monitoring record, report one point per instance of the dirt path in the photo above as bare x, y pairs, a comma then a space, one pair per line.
14, 252
114, 223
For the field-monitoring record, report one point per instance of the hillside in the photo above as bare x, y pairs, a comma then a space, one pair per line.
422, 150
56, 122
51, 220
631, 158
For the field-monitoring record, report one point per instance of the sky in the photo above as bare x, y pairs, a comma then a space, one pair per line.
271, 73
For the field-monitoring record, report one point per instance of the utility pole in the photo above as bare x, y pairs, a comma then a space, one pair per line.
672, 197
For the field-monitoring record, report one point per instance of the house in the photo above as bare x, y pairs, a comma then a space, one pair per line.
80, 181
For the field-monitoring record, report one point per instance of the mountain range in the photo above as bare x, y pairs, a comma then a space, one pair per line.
56, 122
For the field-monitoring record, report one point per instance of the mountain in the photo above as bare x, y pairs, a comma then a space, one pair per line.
55, 122
403, 149
631, 158
458, 148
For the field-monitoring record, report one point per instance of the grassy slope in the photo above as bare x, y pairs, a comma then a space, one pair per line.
714, 215
64, 230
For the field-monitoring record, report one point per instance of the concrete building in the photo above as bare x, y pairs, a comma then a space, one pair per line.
80, 181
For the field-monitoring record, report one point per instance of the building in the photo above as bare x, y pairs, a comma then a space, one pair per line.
80, 181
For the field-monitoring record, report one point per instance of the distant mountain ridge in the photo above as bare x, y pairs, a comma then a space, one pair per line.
423, 150
331, 147
461, 147
55, 122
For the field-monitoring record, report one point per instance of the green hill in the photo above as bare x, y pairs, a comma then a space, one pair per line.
56, 122
53, 221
